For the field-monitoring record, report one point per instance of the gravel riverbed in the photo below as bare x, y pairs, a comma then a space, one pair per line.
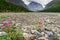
49, 30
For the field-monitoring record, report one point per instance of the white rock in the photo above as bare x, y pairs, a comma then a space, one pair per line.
58, 35
47, 20
53, 30
35, 31
46, 35
18, 24
42, 38
26, 36
42, 33
32, 31
3, 33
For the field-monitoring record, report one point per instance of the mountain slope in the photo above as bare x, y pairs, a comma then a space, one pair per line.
9, 7
55, 7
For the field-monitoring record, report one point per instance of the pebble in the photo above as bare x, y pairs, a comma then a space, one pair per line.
49, 33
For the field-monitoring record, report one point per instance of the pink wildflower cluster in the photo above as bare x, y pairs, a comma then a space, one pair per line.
40, 23
8, 23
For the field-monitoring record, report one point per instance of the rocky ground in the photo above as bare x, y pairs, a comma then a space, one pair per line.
49, 29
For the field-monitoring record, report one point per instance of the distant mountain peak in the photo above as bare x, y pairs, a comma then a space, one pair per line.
42, 2
33, 6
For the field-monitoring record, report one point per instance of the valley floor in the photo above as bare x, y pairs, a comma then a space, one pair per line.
31, 26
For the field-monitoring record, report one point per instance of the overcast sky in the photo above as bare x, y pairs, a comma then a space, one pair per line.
42, 2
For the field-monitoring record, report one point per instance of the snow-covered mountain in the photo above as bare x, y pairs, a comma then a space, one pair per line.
36, 5
32, 5
42, 2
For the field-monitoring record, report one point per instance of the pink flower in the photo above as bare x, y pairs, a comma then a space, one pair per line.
3, 24
8, 23
40, 23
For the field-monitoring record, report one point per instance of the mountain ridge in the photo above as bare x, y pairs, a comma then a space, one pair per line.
10, 7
